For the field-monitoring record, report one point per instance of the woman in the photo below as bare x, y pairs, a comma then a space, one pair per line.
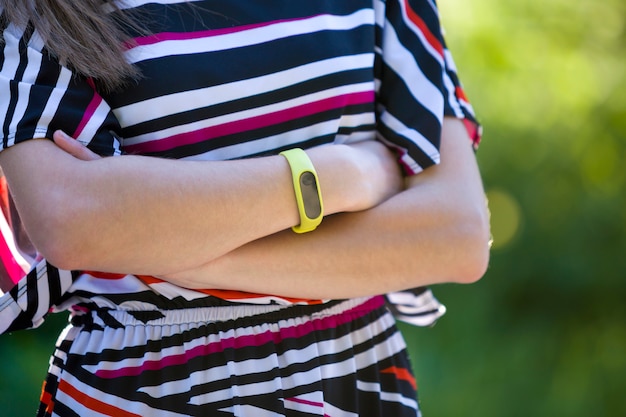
189, 292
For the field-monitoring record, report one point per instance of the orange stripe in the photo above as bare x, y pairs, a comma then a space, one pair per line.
92, 403
223, 294
414, 17
402, 374
242, 295
461, 94
46, 398
230, 294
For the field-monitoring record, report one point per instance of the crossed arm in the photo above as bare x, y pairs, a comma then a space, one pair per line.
226, 224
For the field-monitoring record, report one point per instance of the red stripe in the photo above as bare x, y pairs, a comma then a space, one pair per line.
417, 21
4, 195
246, 341
252, 123
93, 403
461, 94
105, 275
46, 399
402, 374
473, 130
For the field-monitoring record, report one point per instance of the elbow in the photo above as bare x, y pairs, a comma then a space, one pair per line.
54, 244
58, 236
474, 240
58, 253
476, 264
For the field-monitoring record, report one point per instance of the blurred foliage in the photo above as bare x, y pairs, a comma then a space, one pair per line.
543, 333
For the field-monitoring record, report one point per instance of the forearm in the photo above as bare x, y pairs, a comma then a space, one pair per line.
435, 231
145, 215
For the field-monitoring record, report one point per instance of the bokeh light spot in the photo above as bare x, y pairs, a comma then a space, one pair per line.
506, 217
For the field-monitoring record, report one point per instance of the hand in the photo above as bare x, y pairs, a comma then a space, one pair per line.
74, 147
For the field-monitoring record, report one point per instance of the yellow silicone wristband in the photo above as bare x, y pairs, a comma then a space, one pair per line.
307, 190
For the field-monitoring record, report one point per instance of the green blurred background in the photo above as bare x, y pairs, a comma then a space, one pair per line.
543, 334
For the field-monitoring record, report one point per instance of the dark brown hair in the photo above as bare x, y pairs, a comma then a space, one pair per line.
84, 35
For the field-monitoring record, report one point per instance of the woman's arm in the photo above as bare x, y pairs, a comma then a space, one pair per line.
437, 230
143, 215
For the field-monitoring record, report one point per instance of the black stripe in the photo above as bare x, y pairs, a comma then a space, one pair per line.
13, 91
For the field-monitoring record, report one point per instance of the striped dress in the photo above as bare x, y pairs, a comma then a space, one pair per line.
227, 80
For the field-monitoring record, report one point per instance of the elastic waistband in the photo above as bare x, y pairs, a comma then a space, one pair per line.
259, 313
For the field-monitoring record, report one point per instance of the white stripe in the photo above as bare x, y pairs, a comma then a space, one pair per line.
355, 137
380, 8
102, 286
386, 396
403, 63
54, 100
249, 37
449, 60
412, 134
24, 87
189, 100
129, 4
93, 124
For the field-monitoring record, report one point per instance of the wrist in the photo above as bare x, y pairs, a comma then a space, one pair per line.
340, 177
306, 188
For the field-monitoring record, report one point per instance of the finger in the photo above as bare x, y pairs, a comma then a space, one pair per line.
73, 147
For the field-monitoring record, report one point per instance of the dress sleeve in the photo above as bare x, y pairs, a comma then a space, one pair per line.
37, 97
417, 85
417, 82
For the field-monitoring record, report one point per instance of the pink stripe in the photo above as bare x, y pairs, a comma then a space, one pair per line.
301, 401
247, 341
181, 36
12, 267
252, 123
90, 111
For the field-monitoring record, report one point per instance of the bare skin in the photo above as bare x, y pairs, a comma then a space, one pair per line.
209, 229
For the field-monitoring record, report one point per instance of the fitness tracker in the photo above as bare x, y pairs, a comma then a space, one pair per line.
306, 187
